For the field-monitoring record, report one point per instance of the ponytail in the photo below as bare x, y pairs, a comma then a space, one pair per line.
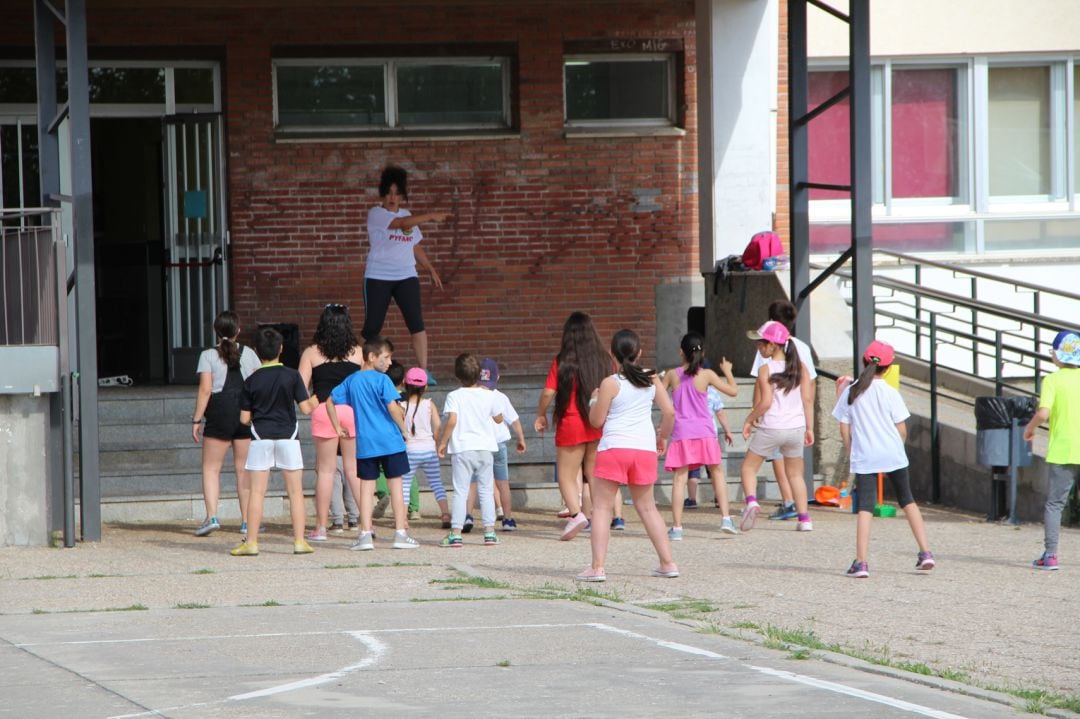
411, 391
791, 376
625, 348
870, 370
226, 327
693, 349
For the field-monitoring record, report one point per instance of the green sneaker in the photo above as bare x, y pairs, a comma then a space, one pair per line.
451, 541
490, 538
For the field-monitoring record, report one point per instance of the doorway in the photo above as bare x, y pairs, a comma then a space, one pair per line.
128, 239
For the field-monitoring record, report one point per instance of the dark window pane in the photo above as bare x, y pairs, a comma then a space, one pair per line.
142, 85
450, 95
9, 165
193, 86
331, 96
31, 176
617, 90
18, 85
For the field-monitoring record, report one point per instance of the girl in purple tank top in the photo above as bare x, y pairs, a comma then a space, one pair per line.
693, 441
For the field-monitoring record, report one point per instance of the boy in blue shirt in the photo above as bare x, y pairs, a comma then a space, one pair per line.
380, 439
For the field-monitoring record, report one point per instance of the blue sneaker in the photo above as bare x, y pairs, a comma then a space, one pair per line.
208, 526
618, 524
784, 511
468, 525
431, 380
509, 525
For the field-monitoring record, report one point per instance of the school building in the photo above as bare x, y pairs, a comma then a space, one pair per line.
596, 155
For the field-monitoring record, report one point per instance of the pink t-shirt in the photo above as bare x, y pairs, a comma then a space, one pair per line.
693, 419
786, 411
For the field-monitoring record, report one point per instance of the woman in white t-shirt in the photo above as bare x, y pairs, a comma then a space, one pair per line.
394, 236
222, 371
872, 417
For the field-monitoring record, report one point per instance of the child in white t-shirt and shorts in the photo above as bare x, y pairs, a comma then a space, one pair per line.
271, 395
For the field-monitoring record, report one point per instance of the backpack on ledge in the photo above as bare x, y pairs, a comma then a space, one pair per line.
762, 246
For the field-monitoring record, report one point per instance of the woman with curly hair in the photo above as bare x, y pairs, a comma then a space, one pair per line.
334, 354
581, 365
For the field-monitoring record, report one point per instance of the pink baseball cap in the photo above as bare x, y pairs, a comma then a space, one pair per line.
880, 351
416, 377
771, 331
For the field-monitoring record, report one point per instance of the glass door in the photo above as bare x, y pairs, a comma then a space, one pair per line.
196, 237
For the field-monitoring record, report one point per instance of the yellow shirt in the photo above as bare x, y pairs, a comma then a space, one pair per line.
1061, 395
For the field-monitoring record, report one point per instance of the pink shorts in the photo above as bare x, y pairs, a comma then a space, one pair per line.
692, 453
626, 466
321, 427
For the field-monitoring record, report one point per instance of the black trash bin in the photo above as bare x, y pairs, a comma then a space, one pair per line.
290, 345
1000, 445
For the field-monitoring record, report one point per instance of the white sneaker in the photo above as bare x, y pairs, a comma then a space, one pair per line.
404, 541
727, 526
363, 543
806, 526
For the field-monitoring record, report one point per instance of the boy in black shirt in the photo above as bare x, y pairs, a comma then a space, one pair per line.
267, 404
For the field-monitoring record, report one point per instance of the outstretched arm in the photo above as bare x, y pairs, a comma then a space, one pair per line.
407, 223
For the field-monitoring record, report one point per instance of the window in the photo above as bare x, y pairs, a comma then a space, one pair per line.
392, 94
1019, 129
928, 134
629, 89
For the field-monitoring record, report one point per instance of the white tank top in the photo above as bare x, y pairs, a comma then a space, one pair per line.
629, 422
423, 439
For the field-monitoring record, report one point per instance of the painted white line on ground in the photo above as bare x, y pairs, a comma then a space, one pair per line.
790, 676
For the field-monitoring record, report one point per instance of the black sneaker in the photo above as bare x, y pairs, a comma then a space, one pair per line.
467, 527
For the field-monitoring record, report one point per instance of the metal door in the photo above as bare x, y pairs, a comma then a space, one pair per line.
196, 237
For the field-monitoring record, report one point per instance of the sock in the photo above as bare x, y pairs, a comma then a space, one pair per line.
804, 516
751, 498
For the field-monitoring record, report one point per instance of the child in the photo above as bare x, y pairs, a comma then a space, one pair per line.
469, 433
784, 405
872, 415
720, 422
380, 439
785, 313
422, 421
693, 441
396, 373
489, 379
622, 406
267, 404
1060, 404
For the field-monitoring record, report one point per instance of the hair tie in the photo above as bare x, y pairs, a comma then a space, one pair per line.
875, 360
695, 348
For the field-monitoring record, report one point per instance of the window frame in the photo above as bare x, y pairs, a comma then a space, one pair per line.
671, 62
390, 89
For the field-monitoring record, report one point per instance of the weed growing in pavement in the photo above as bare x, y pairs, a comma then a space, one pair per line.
593, 596
800, 653
745, 606
400, 564
683, 608
54, 576
341, 566
267, 603
746, 625
462, 580
204, 570
504, 663
421, 600
709, 628
1037, 701
192, 605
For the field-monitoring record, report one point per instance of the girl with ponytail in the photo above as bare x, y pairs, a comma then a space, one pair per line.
629, 444
694, 441
872, 417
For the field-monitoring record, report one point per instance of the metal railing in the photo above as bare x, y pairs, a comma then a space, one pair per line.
28, 278
1003, 342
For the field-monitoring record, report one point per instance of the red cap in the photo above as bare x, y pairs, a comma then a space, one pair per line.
883, 353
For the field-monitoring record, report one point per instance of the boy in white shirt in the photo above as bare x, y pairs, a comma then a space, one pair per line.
469, 435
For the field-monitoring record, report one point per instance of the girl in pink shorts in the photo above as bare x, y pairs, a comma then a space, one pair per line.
693, 441
622, 407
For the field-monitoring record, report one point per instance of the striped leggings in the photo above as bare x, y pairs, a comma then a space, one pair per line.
429, 462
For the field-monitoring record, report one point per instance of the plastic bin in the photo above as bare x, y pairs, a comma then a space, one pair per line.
1000, 421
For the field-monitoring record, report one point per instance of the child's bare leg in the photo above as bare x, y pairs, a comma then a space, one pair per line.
397, 503
605, 493
918, 527
294, 487
213, 457
678, 489
862, 535
653, 521
243, 484
502, 487
794, 467
691, 488
366, 500
719, 485
325, 467
259, 480
748, 473
782, 482
586, 499
568, 465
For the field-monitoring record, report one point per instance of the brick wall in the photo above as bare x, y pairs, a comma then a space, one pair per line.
542, 224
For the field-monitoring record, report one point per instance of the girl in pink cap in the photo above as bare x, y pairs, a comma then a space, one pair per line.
782, 419
872, 416
422, 421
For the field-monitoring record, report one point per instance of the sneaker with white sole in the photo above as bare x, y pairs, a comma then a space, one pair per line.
414, 515
804, 526
364, 543
208, 526
858, 570
727, 526
336, 528
574, 525
490, 538
403, 541
380, 506
675, 534
784, 511
925, 561
749, 516
317, 535
467, 526
1047, 561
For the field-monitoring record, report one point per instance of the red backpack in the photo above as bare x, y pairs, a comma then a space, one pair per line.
762, 246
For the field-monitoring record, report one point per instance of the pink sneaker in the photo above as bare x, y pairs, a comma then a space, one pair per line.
317, 535
592, 575
749, 516
574, 525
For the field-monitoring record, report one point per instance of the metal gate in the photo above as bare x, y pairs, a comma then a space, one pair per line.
196, 237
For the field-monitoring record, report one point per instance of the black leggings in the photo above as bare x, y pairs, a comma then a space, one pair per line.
377, 294
866, 489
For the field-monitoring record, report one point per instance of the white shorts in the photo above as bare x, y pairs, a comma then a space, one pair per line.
267, 454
